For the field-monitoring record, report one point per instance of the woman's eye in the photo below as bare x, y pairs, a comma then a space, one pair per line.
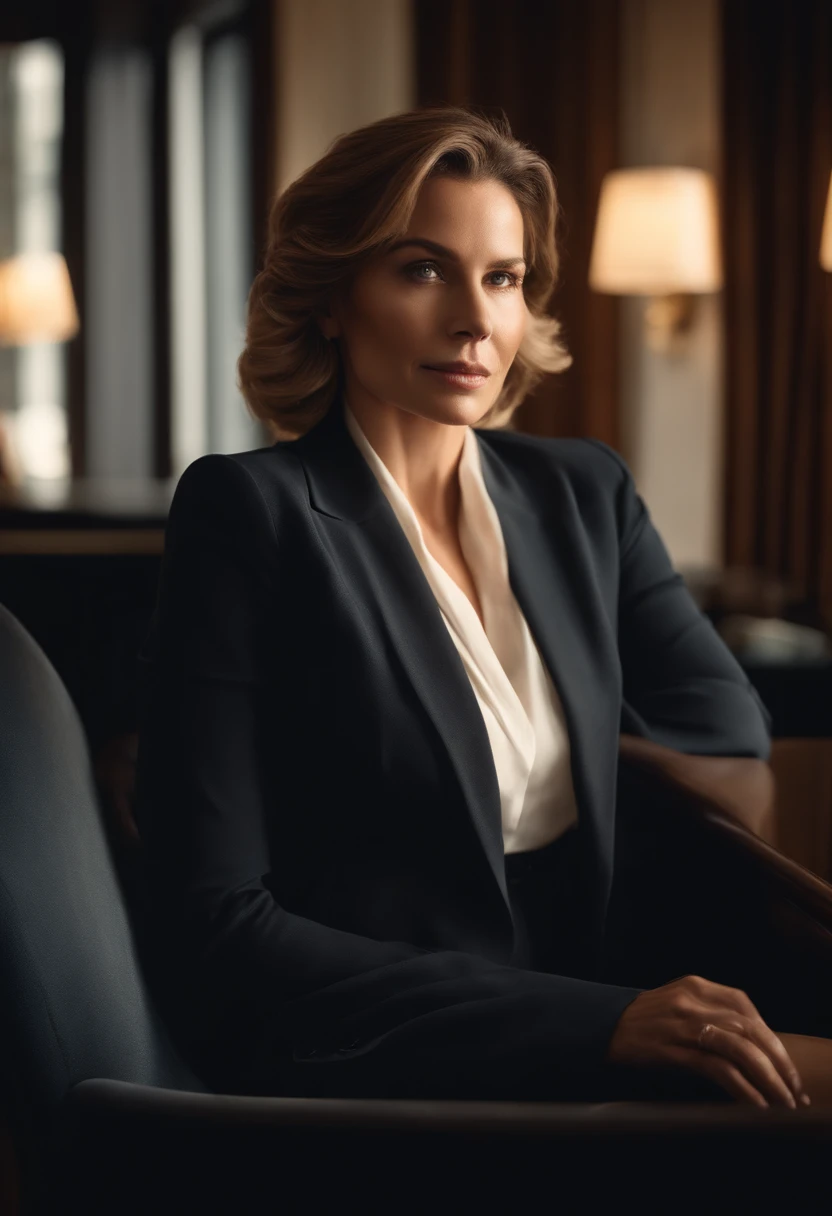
513, 280
421, 266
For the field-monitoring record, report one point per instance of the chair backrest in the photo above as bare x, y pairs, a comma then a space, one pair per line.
74, 1001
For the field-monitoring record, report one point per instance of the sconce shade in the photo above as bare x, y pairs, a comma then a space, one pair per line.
36, 300
826, 238
657, 233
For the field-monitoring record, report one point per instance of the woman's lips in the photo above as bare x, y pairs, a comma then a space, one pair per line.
459, 379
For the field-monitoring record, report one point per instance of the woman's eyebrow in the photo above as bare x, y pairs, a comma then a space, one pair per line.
435, 247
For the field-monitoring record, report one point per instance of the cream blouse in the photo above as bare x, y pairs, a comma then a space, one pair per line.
519, 702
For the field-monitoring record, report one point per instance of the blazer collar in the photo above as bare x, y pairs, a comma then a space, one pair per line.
550, 571
342, 485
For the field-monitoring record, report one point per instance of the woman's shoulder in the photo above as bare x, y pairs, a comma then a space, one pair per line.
265, 468
253, 491
264, 474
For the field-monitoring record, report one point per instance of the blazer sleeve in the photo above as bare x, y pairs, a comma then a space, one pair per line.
682, 686
256, 983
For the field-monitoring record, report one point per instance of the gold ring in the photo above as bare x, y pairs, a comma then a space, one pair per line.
707, 1026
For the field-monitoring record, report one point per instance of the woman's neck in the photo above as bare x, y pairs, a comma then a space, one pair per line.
422, 456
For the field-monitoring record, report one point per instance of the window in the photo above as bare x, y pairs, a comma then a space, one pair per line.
211, 240
33, 377
130, 146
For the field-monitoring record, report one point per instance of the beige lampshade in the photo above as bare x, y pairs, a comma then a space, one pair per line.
826, 237
36, 300
657, 233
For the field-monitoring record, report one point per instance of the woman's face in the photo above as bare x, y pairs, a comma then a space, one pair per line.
414, 307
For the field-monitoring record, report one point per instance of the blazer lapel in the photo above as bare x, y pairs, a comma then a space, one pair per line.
551, 577
551, 573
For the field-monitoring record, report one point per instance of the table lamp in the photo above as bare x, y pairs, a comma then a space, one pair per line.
36, 305
657, 235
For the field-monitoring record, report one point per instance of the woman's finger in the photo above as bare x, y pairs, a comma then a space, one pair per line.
723, 1073
761, 1033
735, 1046
775, 1049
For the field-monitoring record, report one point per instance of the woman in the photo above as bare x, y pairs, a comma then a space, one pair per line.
389, 664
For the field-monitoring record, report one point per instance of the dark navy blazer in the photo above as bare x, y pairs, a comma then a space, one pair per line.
317, 797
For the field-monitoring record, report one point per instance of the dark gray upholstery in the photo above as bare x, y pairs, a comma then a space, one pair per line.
79, 1006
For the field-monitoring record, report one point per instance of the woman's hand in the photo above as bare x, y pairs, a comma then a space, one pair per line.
739, 1052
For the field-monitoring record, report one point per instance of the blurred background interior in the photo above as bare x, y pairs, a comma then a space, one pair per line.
691, 140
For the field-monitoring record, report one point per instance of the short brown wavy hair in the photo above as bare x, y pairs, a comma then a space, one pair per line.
349, 207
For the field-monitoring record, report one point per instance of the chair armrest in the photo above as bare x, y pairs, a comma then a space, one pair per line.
732, 797
787, 879
139, 1145
107, 1099
742, 787
773, 915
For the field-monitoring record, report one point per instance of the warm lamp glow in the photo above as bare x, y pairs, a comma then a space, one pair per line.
657, 233
826, 238
36, 300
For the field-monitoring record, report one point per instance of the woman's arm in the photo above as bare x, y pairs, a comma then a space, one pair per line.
256, 977
682, 686
207, 679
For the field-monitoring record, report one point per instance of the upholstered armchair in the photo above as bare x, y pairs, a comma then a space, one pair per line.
102, 1114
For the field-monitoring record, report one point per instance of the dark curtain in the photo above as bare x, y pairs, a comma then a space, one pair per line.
553, 69
777, 147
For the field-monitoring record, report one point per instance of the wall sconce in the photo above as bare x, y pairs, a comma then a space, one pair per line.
657, 235
826, 236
